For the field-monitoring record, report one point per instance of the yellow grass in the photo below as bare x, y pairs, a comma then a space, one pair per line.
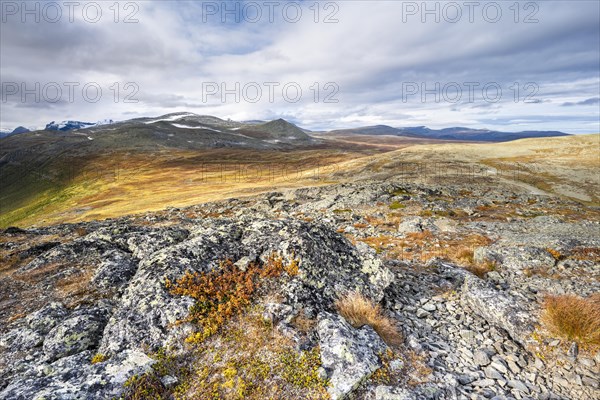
144, 182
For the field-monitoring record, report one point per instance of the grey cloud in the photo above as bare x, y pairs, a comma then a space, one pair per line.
369, 54
587, 102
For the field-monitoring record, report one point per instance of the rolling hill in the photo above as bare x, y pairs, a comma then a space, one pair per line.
146, 163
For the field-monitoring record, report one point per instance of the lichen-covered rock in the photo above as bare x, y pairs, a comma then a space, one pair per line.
517, 259
391, 393
329, 264
20, 339
466, 332
80, 249
116, 268
140, 241
73, 377
379, 276
147, 312
445, 225
43, 320
81, 331
349, 355
412, 225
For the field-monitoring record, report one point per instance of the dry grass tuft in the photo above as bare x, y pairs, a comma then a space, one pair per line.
76, 284
359, 311
425, 213
464, 254
541, 272
423, 246
420, 372
573, 317
420, 236
303, 323
40, 274
81, 231
16, 316
142, 387
482, 269
379, 222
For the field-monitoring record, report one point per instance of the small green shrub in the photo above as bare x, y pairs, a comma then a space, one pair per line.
396, 205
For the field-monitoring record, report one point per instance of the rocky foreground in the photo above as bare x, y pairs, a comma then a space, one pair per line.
87, 309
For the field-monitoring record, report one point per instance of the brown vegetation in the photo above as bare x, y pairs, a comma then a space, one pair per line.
586, 253
424, 246
555, 253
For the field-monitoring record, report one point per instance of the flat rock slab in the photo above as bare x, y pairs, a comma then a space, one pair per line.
498, 309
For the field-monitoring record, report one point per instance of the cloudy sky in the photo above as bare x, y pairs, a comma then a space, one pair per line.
323, 65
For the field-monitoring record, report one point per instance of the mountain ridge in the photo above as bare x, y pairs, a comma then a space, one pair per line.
280, 128
451, 133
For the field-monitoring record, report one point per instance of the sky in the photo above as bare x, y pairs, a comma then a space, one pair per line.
502, 65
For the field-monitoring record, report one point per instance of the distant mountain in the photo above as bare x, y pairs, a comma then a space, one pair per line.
16, 131
455, 133
71, 125
20, 129
482, 135
181, 131
67, 125
189, 130
254, 121
372, 130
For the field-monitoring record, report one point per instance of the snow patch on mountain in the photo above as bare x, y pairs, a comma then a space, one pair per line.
171, 118
71, 125
195, 127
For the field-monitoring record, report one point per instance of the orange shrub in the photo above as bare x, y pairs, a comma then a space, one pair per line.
555, 253
224, 292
